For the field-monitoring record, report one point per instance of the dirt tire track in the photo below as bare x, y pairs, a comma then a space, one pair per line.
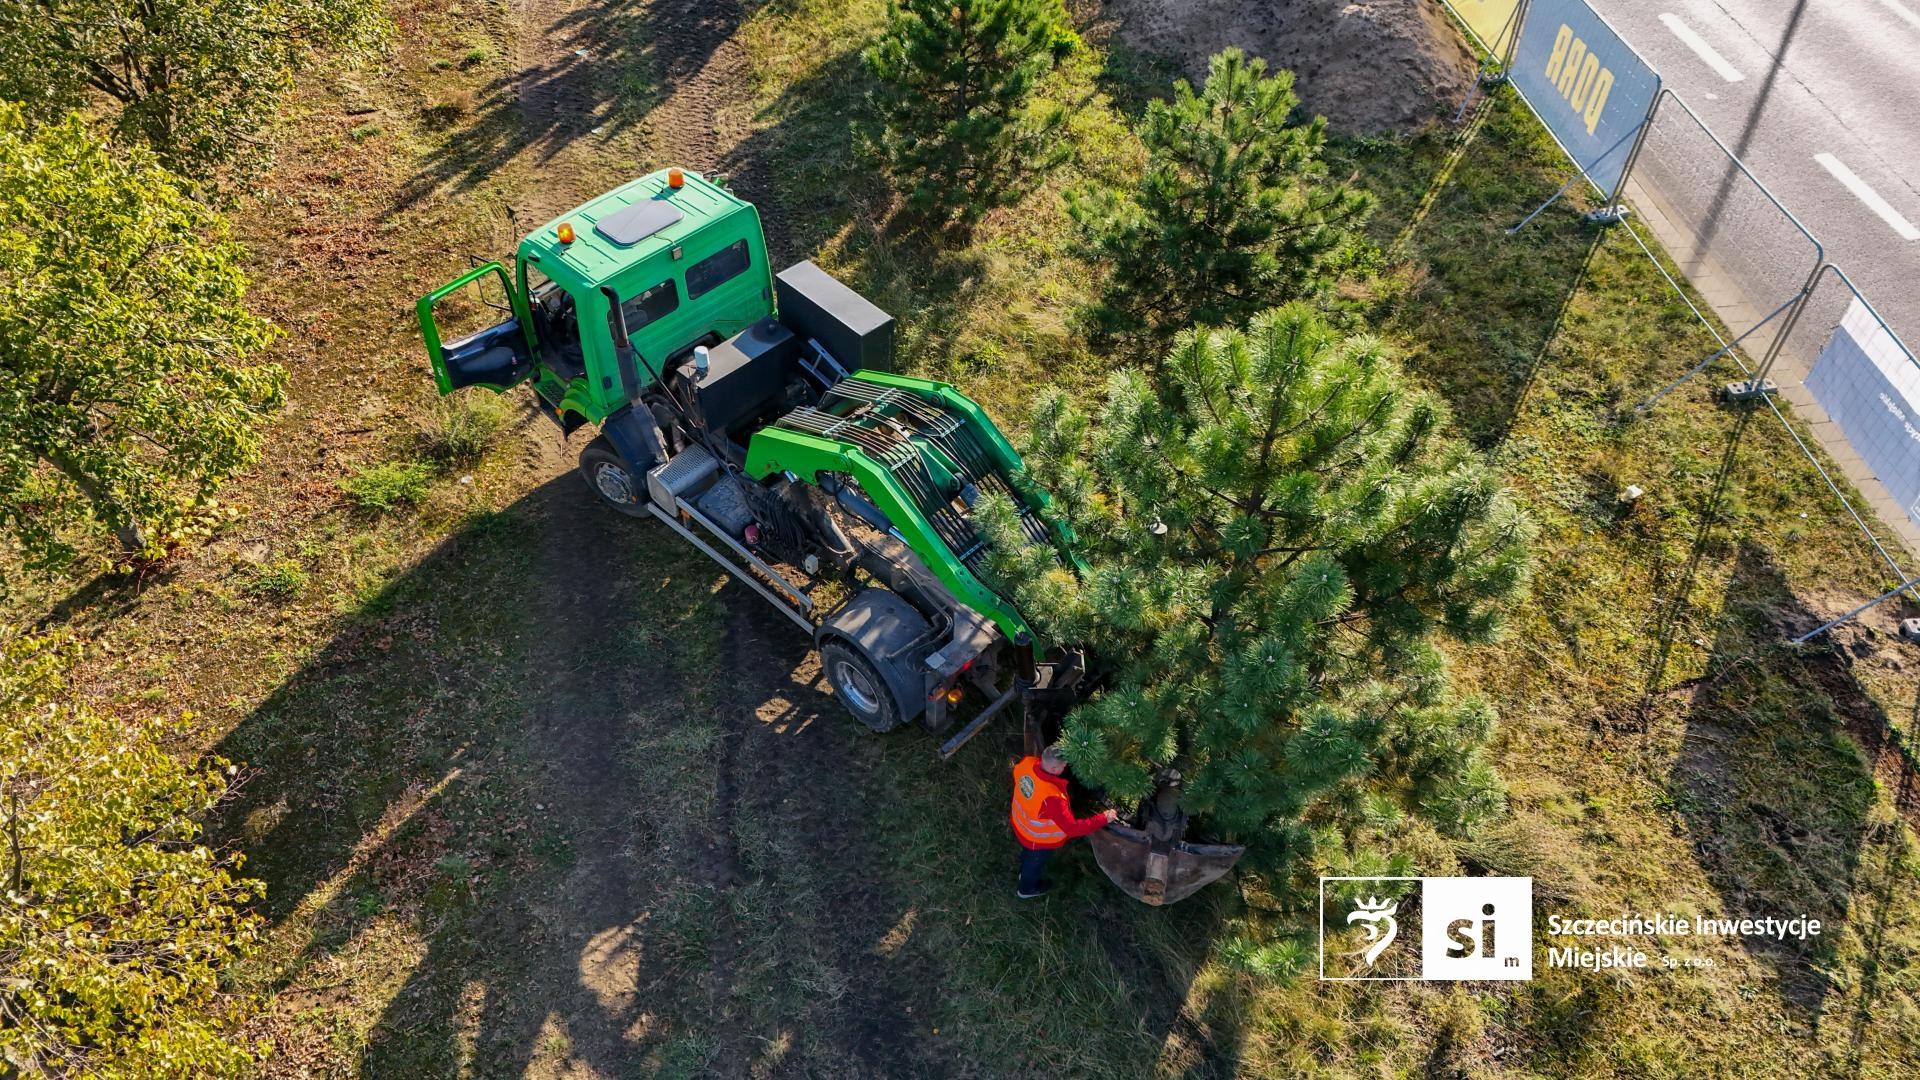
686, 48
704, 123
790, 778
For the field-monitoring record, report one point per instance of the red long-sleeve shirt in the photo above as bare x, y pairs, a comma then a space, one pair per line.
1057, 811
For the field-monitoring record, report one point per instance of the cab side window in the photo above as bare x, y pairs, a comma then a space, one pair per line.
717, 269
655, 303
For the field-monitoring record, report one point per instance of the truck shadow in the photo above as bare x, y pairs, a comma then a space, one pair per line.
560, 797
1805, 840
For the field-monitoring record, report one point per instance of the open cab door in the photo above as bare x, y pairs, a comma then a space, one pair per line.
481, 351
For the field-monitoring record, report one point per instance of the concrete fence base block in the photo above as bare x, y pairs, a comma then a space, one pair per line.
1748, 390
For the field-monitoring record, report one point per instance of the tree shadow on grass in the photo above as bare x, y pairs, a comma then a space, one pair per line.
807, 140
560, 797
606, 67
1776, 783
1486, 306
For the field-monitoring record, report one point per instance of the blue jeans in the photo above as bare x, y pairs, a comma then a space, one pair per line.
1033, 864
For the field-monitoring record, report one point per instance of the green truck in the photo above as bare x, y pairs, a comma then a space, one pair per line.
756, 416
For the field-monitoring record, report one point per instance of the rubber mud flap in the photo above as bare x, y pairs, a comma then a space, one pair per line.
1160, 871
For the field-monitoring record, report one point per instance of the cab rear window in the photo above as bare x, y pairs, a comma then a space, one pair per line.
717, 269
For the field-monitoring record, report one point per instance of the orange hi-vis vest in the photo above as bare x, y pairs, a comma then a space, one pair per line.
1032, 787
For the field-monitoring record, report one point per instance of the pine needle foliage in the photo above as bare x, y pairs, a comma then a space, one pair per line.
1277, 542
956, 93
1234, 214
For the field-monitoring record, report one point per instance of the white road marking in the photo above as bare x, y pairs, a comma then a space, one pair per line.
1869, 196
1906, 13
1701, 49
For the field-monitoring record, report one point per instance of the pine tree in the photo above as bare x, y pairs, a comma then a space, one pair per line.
1277, 536
1234, 213
956, 84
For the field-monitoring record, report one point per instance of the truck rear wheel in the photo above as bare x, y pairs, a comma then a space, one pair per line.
858, 685
612, 479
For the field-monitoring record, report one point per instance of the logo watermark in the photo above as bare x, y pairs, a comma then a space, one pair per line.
1401, 929
1405, 929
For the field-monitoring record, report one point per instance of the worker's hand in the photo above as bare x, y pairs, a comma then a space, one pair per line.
1113, 816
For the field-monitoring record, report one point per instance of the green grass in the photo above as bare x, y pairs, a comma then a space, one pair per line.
464, 428
281, 579
389, 485
536, 792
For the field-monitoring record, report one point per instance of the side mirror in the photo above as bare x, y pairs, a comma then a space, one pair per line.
622, 345
618, 323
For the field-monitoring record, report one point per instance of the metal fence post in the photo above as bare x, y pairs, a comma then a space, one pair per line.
1616, 208
1910, 583
1757, 384
1519, 22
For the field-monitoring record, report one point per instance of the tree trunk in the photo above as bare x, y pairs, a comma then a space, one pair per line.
126, 530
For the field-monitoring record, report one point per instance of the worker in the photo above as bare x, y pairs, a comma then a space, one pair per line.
1042, 818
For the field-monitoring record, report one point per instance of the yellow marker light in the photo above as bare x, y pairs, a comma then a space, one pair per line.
565, 232
675, 178
954, 695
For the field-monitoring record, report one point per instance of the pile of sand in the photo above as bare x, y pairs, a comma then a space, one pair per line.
1368, 66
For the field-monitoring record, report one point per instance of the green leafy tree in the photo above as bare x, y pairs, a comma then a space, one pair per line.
1233, 215
196, 80
125, 391
1277, 540
116, 919
956, 82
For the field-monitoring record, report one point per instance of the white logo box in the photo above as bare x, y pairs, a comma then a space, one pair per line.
1462, 928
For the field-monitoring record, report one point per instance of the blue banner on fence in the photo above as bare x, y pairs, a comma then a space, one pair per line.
1870, 385
1586, 84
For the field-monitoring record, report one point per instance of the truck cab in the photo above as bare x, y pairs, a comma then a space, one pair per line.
677, 259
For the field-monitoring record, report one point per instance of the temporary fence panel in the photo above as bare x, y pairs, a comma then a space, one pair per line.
1731, 236
1491, 22
1588, 86
1869, 383
1755, 263
1835, 329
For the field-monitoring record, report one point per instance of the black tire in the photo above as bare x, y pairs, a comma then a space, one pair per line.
612, 480
857, 683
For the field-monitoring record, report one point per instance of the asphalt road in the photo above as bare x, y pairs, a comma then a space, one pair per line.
1821, 99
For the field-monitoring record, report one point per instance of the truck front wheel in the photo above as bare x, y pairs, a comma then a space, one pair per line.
612, 479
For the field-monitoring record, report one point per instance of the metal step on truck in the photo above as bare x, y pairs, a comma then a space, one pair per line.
758, 417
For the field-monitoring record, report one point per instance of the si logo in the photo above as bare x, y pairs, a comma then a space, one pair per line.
1577, 74
1470, 928
1026, 787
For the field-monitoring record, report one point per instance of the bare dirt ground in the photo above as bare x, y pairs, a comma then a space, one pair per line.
1368, 66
